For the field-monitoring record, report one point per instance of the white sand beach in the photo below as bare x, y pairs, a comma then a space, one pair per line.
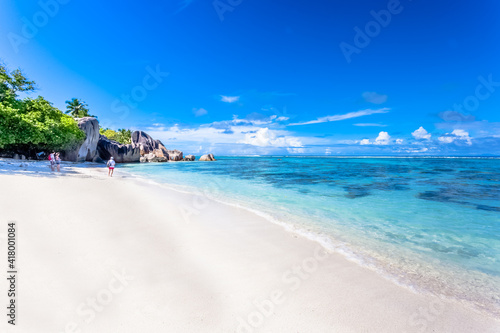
99, 254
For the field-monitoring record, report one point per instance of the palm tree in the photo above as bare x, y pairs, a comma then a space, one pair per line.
77, 108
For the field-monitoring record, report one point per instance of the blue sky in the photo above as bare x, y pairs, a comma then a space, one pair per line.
272, 77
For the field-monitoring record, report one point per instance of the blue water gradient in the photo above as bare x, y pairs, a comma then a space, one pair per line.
431, 224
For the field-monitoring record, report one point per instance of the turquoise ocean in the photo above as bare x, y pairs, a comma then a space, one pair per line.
428, 224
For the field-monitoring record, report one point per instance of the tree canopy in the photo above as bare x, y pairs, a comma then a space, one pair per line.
31, 125
123, 136
77, 108
11, 83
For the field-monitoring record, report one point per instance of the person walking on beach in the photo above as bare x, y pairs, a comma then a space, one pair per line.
58, 162
52, 160
111, 166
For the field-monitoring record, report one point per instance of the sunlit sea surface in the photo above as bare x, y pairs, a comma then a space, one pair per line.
429, 224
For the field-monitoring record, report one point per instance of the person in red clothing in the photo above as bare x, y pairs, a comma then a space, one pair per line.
111, 166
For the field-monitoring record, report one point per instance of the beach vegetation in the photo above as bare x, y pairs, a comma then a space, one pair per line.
32, 125
78, 108
12, 83
123, 136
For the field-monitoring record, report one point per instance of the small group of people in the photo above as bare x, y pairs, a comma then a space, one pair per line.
55, 161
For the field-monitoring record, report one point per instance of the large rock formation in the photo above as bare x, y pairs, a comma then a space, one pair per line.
88, 150
99, 148
189, 158
121, 153
208, 157
149, 146
142, 149
145, 142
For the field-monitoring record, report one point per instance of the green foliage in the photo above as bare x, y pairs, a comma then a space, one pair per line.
123, 136
11, 83
77, 108
19, 82
32, 125
37, 126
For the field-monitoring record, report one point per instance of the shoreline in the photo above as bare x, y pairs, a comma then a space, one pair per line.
226, 254
377, 261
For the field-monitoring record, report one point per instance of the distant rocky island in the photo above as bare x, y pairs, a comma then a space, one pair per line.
98, 148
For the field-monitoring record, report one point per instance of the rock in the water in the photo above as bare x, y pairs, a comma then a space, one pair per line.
88, 150
121, 153
152, 157
143, 159
16, 157
189, 158
174, 155
207, 157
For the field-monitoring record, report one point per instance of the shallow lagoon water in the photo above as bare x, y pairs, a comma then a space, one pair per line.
429, 224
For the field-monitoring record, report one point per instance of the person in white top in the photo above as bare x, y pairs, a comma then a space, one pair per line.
52, 160
111, 166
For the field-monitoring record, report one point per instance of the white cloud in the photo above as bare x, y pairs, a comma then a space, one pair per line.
199, 112
399, 141
373, 97
365, 142
416, 150
446, 139
481, 128
461, 133
382, 138
296, 150
229, 99
421, 133
257, 121
369, 125
339, 117
252, 135
456, 135
282, 119
265, 137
